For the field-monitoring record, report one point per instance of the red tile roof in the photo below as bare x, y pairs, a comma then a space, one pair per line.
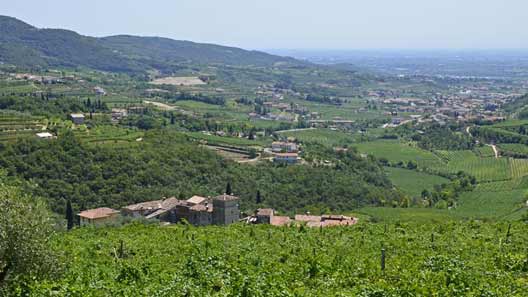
265, 212
197, 199
98, 213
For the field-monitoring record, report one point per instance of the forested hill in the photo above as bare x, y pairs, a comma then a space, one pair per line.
24, 45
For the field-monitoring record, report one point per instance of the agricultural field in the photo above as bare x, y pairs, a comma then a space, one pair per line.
323, 136
110, 136
484, 169
484, 151
14, 126
396, 151
413, 182
514, 148
484, 204
421, 259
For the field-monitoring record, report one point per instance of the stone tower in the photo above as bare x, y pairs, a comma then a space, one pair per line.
225, 209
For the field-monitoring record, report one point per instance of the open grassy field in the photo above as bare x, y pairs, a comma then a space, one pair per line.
413, 182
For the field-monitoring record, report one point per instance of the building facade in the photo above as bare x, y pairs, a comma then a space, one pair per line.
98, 216
286, 158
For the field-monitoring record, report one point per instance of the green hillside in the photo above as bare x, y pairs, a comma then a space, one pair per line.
24, 45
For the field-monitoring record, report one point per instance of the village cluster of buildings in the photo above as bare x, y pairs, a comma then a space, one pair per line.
199, 211
205, 211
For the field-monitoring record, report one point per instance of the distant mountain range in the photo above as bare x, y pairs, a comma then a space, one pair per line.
25, 45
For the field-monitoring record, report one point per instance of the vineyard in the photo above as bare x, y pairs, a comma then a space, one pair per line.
395, 151
497, 204
14, 126
406, 179
514, 148
445, 259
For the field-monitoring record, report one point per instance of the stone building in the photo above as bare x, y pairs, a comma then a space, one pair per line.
225, 209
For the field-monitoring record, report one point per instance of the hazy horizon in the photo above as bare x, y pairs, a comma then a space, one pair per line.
296, 24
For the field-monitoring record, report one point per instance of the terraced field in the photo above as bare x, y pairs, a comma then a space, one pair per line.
111, 136
13, 127
514, 148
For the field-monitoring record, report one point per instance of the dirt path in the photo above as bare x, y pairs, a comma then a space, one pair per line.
495, 150
160, 105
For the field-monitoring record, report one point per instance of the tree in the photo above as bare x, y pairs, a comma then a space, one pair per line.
69, 214
258, 198
228, 189
25, 229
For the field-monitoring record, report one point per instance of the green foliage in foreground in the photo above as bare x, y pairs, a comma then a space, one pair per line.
25, 229
448, 259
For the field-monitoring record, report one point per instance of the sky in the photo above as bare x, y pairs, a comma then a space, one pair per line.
293, 24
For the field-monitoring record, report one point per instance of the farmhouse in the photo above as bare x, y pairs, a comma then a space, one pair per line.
286, 158
77, 118
264, 215
98, 216
118, 113
288, 147
99, 91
